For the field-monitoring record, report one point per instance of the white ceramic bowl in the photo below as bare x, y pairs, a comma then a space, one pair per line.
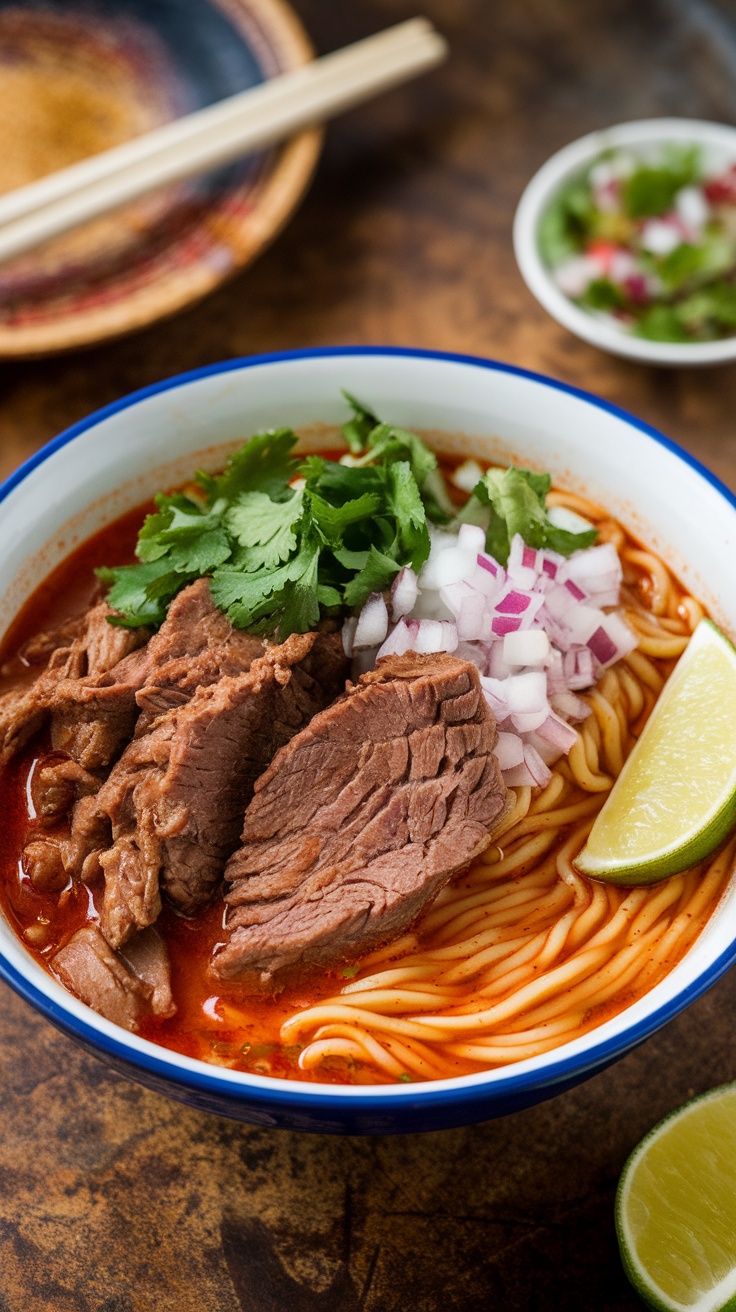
115, 459
718, 143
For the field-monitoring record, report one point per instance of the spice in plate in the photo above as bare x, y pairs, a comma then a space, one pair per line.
648, 243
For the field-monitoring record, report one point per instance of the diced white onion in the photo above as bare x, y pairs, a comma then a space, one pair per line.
526, 647
404, 592
467, 475
372, 624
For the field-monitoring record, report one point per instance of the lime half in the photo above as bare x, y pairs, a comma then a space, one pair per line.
675, 799
676, 1208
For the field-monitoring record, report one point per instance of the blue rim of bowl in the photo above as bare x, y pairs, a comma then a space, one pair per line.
294, 1096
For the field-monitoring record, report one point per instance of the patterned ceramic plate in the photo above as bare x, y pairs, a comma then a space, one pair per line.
78, 76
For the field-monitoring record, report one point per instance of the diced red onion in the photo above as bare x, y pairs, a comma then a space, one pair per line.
398, 642
509, 751
526, 647
527, 721
521, 566
540, 772
582, 622
602, 647
471, 538
434, 636
566, 703
452, 566
372, 623
503, 624
579, 668
611, 640
555, 731
519, 776
496, 666
526, 692
348, 634
404, 592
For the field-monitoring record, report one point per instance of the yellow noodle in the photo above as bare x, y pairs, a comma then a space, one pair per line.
522, 953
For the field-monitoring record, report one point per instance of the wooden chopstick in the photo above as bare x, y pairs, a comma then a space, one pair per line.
216, 135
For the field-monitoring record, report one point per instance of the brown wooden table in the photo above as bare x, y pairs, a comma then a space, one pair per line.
113, 1199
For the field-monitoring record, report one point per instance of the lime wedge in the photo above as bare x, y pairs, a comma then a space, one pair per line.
676, 1208
675, 799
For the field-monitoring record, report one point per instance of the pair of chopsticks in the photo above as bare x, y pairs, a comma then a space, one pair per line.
216, 135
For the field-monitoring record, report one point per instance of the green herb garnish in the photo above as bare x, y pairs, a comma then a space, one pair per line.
511, 501
286, 541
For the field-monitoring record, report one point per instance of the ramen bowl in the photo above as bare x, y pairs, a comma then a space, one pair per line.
115, 459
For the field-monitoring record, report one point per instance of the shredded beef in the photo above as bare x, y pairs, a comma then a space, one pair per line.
361, 819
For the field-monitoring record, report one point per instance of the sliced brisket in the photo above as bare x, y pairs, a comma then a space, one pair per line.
361, 818
121, 987
174, 803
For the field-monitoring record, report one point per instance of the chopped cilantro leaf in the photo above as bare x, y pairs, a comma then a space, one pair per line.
516, 499
263, 464
375, 575
285, 540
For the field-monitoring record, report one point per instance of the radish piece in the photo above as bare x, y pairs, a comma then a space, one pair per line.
540, 772
527, 647
509, 751
404, 592
576, 274
372, 623
348, 635
471, 538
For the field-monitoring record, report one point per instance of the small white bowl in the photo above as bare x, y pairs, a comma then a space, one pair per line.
718, 142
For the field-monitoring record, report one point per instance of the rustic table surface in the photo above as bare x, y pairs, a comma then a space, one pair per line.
115, 1199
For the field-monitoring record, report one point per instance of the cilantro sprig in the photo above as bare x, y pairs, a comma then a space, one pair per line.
287, 541
510, 501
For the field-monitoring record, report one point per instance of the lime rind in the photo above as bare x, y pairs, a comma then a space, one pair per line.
721, 1297
713, 825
